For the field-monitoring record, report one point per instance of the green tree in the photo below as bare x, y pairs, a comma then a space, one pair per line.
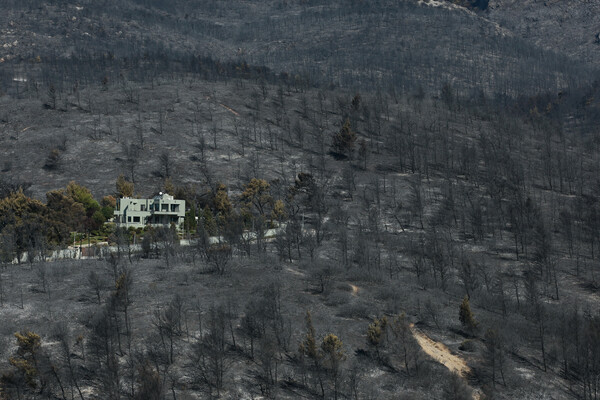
99, 218
190, 219
82, 195
332, 349
344, 140
257, 195
30, 225
376, 334
107, 213
308, 345
26, 362
332, 352
108, 203
18, 205
169, 186
66, 209
221, 201
124, 187
278, 213
310, 356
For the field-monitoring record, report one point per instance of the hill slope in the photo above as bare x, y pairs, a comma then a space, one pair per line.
360, 45
568, 26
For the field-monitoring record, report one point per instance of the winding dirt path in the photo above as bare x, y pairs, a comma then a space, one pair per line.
440, 353
229, 109
436, 350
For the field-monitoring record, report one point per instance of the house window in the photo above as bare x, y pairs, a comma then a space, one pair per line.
136, 219
174, 207
142, 207
165, 207
128, 219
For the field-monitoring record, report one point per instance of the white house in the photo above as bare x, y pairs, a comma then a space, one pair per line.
162, 210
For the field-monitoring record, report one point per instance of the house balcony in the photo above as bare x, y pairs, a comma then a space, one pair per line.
164, 212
